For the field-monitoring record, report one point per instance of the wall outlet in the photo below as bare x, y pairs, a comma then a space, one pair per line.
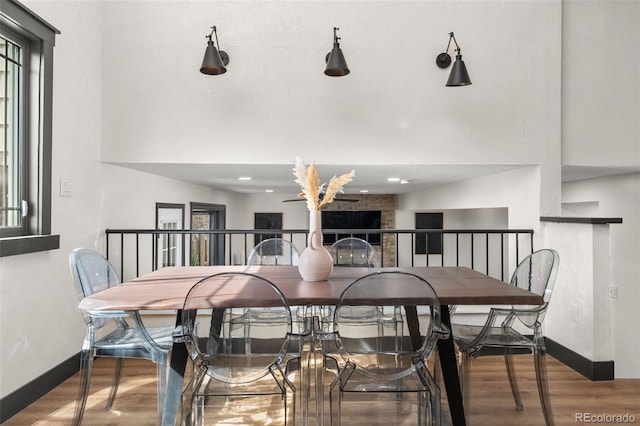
613, 292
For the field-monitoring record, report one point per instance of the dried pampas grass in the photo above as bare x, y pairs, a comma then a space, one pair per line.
335, 186
309, 181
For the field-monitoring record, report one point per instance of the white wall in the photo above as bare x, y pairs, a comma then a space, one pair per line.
518, 191
619, 196
275, 101
38, 303
601, 83
601, 128
579, 312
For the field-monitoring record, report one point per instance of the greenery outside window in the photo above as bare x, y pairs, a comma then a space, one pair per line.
26, 80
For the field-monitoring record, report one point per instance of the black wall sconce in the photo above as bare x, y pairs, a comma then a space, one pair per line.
214, 61
336, 64
459, 75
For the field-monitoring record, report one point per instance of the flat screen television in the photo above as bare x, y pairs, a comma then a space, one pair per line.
351, 219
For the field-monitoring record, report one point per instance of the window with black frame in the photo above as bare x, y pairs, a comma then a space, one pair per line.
26, 88
267, 221
431, 242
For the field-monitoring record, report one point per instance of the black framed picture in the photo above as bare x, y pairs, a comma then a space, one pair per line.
267, 221
428, 243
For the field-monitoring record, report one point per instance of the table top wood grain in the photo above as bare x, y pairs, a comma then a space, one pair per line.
166, 289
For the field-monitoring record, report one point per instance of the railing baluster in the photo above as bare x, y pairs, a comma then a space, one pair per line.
137, 255
531, 242
486, 252
194, 238
412, 250
472, 252
502, 256
107, 245
246, 255
426, 248
122, 257
154, 250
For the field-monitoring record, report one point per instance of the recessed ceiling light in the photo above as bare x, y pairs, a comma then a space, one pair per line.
268, 190
244, 178
404, 181
393, 179
364, 190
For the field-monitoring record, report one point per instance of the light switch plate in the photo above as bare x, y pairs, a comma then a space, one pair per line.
66, 187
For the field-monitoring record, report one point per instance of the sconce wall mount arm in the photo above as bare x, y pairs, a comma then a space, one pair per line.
336, 63
215, 60
459, 75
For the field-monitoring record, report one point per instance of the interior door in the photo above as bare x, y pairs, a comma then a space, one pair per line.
207, 248
169, 246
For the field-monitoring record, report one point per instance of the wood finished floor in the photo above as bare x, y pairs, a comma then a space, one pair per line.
492, 403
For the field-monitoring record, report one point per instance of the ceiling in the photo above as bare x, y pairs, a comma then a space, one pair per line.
280, 179
573, 173
371, 178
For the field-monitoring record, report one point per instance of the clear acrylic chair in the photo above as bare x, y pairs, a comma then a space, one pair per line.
536, 273
376, 369
274, 251
356, 252
227, 377
109, 334
269, 252
352, 251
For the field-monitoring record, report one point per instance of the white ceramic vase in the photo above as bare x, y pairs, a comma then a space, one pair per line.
315, 263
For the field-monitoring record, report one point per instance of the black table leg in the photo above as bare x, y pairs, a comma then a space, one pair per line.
175, 379
448, 363
447, 354
414, 327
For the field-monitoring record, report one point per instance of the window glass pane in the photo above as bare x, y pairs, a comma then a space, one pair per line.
169, 245
10, 149
200, 243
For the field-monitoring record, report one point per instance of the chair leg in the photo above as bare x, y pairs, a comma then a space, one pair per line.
435, 409
162, 385
116, 382
422, 408
465, 381
508, 362
337, 421
289, 404
428, 399
543, 385
86, 366
190, 394
436, 362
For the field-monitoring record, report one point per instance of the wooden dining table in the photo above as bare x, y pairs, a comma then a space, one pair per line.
166, 289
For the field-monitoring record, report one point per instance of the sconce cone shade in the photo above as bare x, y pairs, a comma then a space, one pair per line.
214, 62
459, 75
336, 64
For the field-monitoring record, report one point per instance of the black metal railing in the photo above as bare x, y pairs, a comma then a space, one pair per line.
494, 252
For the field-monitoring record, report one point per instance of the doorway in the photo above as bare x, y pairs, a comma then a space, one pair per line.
207, 248
169, 247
